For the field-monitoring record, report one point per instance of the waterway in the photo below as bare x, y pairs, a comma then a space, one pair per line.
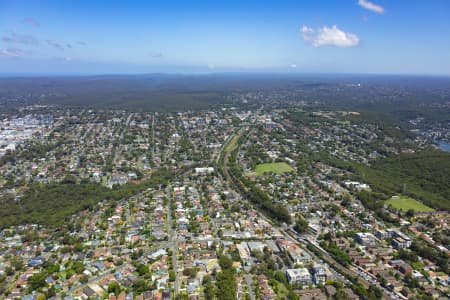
444, 146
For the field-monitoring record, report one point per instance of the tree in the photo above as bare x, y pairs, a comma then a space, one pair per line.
206, 279
210, 291
17, 263
141, 285
225, 280
191, 272
114, 287
225, 262
301, 225
78, 267
292, 295
84, 279
53, 268
9, 271
226, 284
410, 213
172, 275
40, 296
341, 295
37, 281
281, 277
142, 270
51, 292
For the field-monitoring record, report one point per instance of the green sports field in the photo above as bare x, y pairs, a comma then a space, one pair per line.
405, 203
277, 168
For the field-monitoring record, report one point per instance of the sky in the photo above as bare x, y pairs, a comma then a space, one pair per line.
305, 36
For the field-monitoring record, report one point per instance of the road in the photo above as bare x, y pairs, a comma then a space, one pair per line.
249, 280
153, 136
173, 241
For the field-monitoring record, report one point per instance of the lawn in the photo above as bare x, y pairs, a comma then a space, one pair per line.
277, 168
232, 145
405, 203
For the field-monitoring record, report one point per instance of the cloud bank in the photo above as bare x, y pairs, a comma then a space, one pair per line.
15, 38
329, 36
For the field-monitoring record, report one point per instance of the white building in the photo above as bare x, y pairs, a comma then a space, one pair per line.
204, 171
320, 275
298, 276
365, 238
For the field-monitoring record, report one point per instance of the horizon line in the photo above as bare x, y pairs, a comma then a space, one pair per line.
212, 73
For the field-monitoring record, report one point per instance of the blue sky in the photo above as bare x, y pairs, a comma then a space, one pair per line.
341, 36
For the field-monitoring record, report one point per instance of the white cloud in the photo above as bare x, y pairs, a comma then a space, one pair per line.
329, 36
305, 29
15, 38
293, 66
11, 52
371, 6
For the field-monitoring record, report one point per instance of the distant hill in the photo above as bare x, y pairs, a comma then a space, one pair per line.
163, 92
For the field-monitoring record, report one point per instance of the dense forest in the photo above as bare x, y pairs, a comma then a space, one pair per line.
54, 203
397, 96
424, 176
